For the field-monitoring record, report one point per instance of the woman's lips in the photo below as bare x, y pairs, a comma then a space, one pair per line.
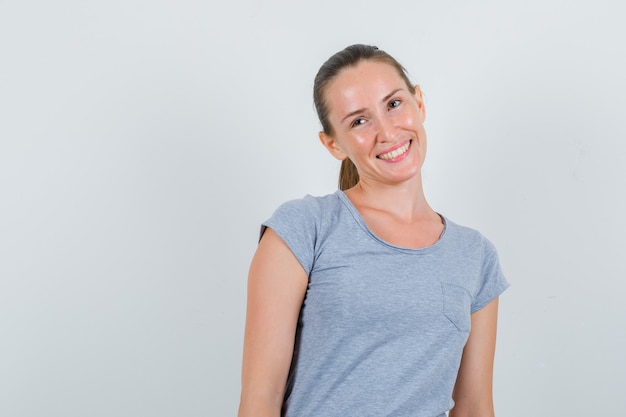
395, 153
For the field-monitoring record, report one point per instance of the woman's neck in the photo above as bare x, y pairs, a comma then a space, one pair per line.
405, 201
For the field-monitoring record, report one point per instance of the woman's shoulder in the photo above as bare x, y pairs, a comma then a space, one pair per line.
302, 222
467, 236
310, 205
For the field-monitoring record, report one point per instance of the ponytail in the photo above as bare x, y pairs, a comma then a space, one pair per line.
348, 175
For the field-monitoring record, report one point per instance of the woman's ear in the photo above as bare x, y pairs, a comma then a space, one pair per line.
419, 97
332, 146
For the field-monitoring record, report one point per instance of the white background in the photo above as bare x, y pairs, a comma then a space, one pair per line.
143, 142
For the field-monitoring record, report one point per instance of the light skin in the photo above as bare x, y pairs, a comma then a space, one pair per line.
372, 112
377, 122
276, 287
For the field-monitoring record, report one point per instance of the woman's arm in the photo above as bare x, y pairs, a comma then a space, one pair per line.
473, 389
276, 287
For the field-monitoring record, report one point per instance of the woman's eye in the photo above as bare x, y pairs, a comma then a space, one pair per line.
394, 103
358, 121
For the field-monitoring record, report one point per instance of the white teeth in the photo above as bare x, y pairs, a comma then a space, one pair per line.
395, 153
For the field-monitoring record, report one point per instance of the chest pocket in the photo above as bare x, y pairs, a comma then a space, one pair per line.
457, 304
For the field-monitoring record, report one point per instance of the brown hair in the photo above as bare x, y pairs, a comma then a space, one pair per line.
346, 58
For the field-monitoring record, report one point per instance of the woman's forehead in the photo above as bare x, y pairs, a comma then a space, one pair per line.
368, 80
365, 72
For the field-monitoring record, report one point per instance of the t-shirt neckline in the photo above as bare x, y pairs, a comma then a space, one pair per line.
359, 219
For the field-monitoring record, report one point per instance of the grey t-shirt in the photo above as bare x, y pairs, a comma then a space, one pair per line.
382, 328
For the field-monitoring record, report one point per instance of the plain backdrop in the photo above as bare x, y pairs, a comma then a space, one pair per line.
143, 142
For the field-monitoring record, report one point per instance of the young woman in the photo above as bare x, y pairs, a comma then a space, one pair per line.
367, 302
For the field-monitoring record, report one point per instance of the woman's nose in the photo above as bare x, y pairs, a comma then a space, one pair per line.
386, 129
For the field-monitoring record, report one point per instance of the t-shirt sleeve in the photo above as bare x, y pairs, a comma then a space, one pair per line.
493, 280
296, 222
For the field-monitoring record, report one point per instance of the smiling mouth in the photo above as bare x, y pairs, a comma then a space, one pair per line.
395, 153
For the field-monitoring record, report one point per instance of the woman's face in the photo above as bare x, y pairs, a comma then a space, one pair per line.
377, 122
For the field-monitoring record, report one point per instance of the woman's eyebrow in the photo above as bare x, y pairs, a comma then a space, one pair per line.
388, 96
354, 113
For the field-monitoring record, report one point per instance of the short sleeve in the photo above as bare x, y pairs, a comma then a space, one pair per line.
297, 222
493, 282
